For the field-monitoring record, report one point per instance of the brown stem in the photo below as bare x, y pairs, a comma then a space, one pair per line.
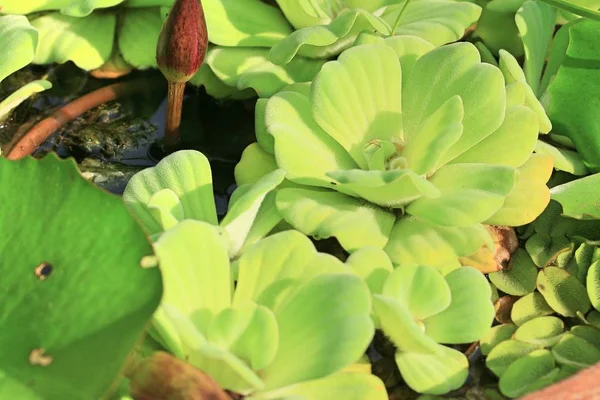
30, 141
174, 106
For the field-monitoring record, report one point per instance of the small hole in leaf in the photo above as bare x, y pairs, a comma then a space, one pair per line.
43, 270
38, 357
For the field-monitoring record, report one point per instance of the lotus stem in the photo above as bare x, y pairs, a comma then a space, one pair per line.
174, 107
33, 138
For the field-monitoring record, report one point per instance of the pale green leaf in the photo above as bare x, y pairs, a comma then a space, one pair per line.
579, 198
511, 144
302, 148
400, 327
138, 36
564, 160
357, 98
20, 95
471, 312
529, 197
321, 333
253, 165
470, 194
249, 68
415, 241
437, 373
373, 265
195, 269
242, 214
394, 188
88, 41
325, 41
325, 214
535, 21
422, 290
18, 41
449, 71
437, 21
343, 385
187, 173
244, 23
267, 270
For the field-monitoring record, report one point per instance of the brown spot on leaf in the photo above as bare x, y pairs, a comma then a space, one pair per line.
38, 357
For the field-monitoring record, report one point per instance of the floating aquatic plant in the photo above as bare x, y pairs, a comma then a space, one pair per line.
419, 166
267, 325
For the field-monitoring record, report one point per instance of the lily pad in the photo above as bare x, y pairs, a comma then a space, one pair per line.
71, 262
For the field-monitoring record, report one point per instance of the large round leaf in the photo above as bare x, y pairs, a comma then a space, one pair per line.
69, 324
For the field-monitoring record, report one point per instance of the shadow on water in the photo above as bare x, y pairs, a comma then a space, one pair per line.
112, 142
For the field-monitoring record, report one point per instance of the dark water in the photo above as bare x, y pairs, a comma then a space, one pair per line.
113, 141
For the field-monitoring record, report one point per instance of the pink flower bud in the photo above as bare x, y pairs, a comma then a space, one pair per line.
183, 41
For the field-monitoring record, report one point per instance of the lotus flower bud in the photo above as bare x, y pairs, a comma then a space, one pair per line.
183, 41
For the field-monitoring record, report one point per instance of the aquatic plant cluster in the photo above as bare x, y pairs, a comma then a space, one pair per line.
450, 150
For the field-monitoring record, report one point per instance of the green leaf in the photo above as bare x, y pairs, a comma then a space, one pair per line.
519, 277
593, 284
325, 41
541, 331
346, 385
242, 214
423, 291
228, 370
249, 68
535, 21
573, 99
303, 13
470, 194
392, 189
506, 353
325, 214
195, 268
529, 307
437, 21
270, 268
495, 336
368, 74
249, 331
138, 36
267, 218
18, 41
165, 208
254, 164
94, 249
264, 139
529, 197
78, 8
438, 373
470, 313
446, 72
525, 372
415, 241
245, 23
373, 265
88, 42
20, 95
514, 75
564, 159
399, 325
302, 148
579, 198
434, 137
562, 291
576, 352
511, 144
320, 332
186, 173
